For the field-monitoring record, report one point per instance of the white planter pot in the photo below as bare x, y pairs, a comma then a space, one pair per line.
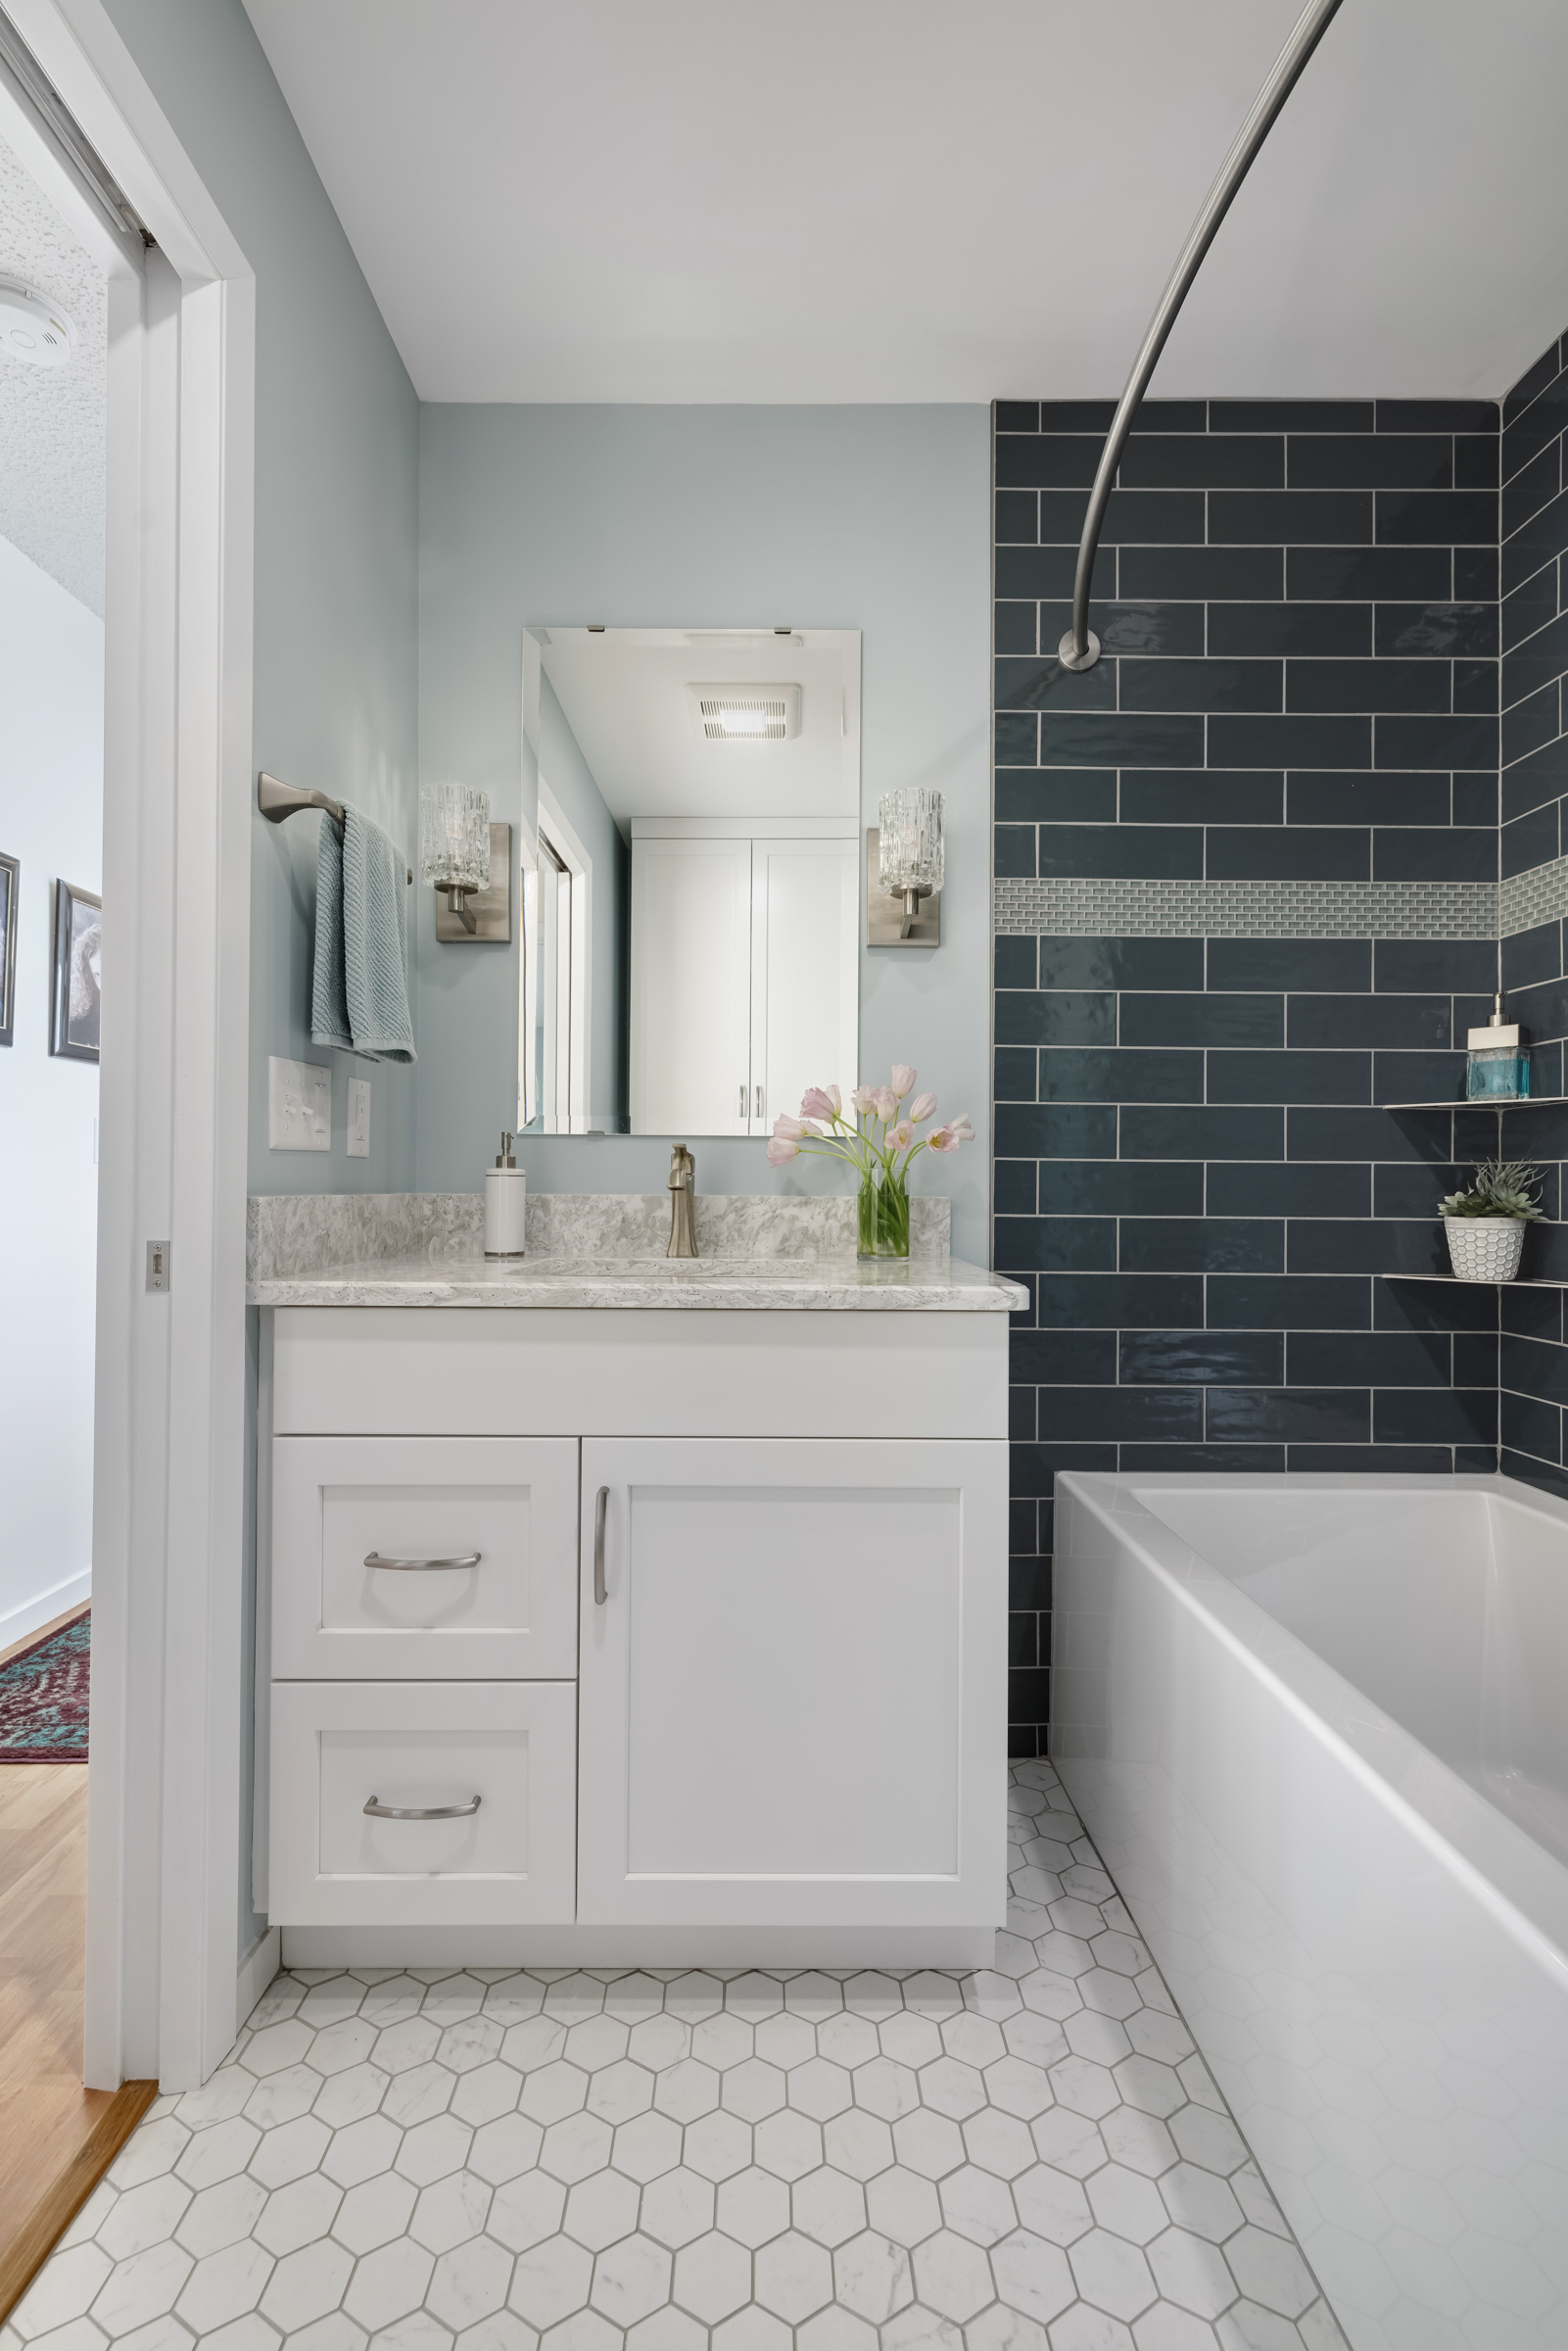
1485, 1247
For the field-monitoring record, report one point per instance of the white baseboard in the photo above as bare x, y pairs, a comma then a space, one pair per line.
257, 1970
17, 1623
640, 1946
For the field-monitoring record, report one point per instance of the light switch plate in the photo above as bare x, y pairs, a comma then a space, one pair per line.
358, 1118
299, 1106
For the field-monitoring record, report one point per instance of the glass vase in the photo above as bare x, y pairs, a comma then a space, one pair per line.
884, 1217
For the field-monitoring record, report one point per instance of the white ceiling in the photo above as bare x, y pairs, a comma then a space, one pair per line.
52, 418
623, 692
931, 200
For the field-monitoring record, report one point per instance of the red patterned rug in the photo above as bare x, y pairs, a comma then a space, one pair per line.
43, 1697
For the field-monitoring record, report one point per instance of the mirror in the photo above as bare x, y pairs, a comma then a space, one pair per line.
690, 876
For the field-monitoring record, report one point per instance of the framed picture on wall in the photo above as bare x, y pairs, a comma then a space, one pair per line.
10, 893
78, 958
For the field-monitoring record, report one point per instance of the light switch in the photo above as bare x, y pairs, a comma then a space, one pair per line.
299, 1107
358, 1118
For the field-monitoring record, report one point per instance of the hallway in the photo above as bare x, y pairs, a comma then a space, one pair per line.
55, 2137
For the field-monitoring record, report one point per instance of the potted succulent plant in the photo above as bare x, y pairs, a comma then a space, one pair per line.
1485, 1226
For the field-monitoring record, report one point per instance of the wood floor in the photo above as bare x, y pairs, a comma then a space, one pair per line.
56, 2138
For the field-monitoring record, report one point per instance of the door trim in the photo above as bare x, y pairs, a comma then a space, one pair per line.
168, 1539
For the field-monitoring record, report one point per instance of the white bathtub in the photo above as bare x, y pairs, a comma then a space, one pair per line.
1318, 1728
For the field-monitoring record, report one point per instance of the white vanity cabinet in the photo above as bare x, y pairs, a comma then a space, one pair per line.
645, 1695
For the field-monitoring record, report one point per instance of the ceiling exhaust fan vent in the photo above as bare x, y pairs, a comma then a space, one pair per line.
767, 713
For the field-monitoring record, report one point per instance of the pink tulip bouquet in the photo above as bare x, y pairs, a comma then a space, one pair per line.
879, 1139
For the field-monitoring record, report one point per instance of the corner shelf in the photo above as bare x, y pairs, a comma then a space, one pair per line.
1531, 1283
1512, 1102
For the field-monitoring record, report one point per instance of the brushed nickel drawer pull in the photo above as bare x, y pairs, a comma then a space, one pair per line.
373, 1558
380, 1811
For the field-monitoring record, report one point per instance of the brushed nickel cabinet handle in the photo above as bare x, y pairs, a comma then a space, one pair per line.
380, 1811
373, 1558
601, 1505
759, 1101
743, 1101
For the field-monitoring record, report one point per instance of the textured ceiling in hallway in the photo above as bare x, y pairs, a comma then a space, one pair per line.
932, 200
52, 418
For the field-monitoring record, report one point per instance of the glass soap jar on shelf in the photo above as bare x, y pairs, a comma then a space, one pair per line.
1498, 1068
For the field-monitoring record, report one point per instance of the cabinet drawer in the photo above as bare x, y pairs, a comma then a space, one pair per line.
422, 1748
506, 1504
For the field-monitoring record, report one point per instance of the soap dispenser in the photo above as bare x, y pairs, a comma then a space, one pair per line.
505, 1203
1498, 1069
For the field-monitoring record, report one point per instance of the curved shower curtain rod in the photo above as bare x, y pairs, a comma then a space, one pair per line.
1080, 646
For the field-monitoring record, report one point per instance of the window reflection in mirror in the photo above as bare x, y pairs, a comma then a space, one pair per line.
691, 857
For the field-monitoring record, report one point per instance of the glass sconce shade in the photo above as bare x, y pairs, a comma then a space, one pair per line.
909, 847
453, 836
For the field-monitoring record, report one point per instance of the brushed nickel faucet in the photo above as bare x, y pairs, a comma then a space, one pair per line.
682, 1221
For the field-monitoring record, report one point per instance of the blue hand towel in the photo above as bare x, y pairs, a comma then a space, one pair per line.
360, 995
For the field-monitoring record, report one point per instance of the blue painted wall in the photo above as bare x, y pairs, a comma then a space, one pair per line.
335, 572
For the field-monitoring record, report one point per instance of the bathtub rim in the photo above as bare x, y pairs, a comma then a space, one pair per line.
1520, 1884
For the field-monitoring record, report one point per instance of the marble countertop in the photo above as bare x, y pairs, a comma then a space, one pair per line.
935, 1284
603, 1250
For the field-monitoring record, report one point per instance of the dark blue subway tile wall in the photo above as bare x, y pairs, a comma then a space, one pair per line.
1195, 1180
1533, 1367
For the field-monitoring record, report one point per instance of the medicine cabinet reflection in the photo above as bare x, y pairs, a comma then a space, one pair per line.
690, 876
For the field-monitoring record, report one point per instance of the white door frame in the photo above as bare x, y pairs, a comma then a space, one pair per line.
579, 865
164, 1835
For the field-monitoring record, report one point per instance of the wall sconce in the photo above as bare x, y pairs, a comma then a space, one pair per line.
905, 865
467, 859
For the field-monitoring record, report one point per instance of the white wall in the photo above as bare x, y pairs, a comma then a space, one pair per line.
51, 817
868, 518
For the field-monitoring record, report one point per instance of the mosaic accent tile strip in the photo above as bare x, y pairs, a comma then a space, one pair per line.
1034, 2157
1539, 895
1096, 909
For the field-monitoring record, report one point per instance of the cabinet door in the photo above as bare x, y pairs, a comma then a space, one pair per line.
691, 1016
792, 1697
805, 971
506, 1504
474, 1782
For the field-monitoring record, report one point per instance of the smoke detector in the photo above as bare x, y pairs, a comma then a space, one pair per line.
766, 713
32, 327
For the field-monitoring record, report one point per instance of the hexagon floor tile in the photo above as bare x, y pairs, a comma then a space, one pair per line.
664, 2161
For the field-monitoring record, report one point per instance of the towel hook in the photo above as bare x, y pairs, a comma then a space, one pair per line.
276, 800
